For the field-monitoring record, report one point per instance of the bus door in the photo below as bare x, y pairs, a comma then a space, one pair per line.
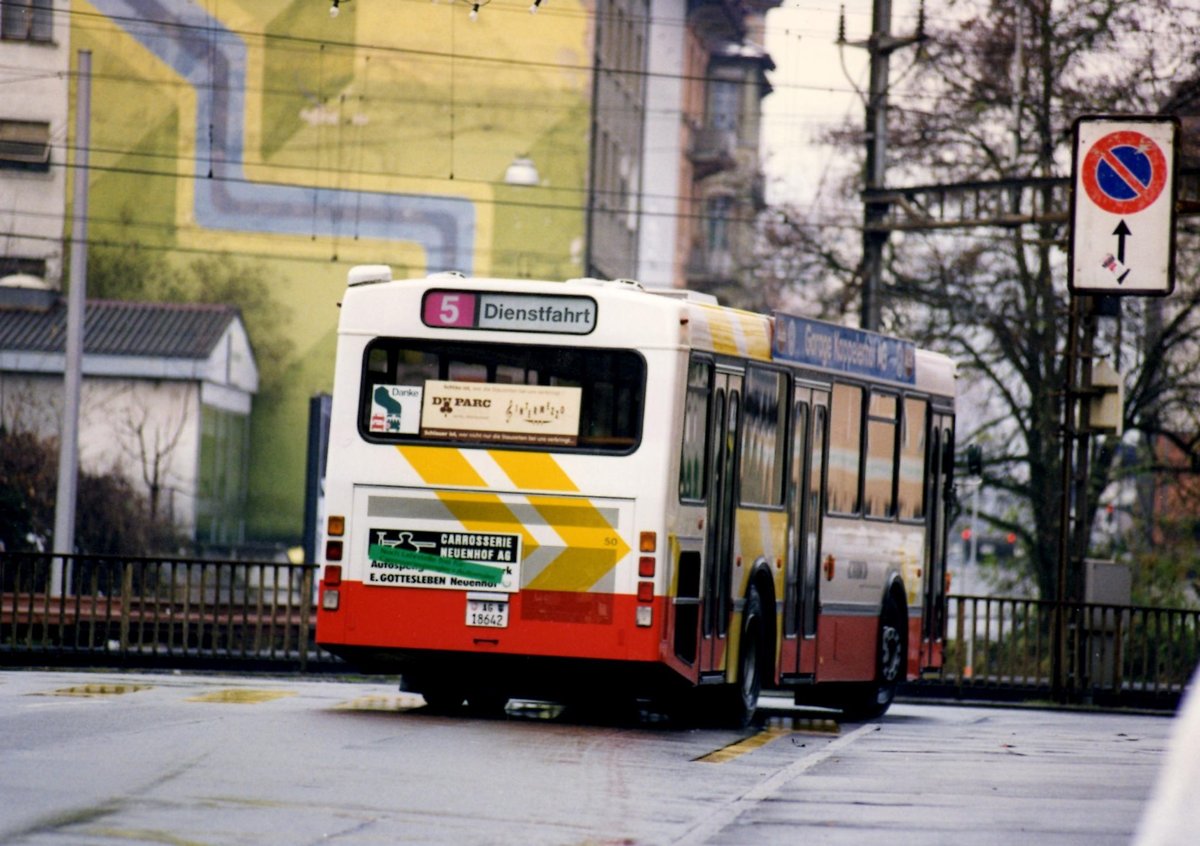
723, 436
809, 417
939, 481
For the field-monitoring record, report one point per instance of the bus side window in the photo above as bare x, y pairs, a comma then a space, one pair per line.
763, 441
693, 466
911, 484
845, 449
880, 466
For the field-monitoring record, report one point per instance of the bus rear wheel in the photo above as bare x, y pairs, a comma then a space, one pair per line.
872, 700
443, 700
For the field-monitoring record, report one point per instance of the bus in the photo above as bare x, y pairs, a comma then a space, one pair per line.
588, 489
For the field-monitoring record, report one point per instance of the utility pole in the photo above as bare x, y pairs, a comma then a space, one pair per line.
880, 46
68, 452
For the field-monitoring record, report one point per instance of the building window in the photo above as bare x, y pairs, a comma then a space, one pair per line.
19, 266
223, 482
24, 144
724, 103
27, 20
716, 219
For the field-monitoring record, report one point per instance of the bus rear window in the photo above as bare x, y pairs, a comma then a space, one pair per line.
548, 397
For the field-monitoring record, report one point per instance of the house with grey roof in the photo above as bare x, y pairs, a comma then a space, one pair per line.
165, 398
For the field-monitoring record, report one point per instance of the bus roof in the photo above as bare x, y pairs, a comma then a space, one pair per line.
624, 313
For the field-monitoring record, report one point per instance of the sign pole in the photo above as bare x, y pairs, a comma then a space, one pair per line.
1122, 234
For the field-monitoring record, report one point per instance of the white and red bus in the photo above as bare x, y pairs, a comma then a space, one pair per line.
566, 490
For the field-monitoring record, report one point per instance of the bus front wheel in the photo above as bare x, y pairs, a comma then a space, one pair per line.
740, 699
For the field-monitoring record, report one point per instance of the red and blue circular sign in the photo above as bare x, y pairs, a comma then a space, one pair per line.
1124, 172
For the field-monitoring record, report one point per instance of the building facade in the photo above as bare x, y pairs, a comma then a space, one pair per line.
34, 75
611, 138
165, 400
677, 176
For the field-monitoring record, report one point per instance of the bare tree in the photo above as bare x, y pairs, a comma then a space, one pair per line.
151, 442
991, 97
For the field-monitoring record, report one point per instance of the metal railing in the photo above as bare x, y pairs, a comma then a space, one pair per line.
80, 609
1011, 648
177, 612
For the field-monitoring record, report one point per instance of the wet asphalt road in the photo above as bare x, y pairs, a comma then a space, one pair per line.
116, 758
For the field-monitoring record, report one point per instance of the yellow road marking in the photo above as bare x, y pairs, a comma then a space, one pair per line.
97, 690
241, 696
736, 750
404, 702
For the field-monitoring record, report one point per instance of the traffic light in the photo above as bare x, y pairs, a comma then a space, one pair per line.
974, 460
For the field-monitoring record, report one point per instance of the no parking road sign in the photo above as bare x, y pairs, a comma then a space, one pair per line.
1123, 206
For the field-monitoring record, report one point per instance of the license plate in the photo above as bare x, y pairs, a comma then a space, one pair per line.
490, 612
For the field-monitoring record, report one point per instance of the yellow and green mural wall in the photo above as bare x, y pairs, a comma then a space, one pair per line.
272, 135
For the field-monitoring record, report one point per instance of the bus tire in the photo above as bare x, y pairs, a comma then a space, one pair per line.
486, 703
740, 699
443, 700
872, 700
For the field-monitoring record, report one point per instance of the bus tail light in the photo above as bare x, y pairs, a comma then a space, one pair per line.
647, 564
331, 597
335, 527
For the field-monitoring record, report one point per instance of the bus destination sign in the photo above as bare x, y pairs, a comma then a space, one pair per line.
509, 312
844, 349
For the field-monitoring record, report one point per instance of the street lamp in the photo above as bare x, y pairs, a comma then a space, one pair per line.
521, 171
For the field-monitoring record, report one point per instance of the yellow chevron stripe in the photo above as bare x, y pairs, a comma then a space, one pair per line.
485, 512
442, 466
593, 547
536, 470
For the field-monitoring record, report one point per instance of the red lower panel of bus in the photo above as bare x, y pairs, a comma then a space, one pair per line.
541, 623
846, 646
